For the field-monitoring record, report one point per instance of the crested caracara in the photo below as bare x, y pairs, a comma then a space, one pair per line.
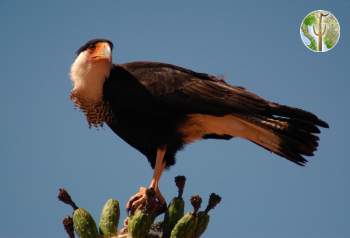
158, 108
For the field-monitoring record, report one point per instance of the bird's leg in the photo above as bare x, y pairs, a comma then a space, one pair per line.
157, 173
139, 199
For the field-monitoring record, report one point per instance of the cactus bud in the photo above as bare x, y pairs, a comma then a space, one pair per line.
109, 218
203, 216
196, 202
214, 199
180, 182
84, 224
175, 209
68, 226
64, 197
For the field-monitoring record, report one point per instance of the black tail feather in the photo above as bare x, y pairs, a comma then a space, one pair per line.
296, 129
296, 114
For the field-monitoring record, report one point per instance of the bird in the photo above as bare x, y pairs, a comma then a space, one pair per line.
158, 108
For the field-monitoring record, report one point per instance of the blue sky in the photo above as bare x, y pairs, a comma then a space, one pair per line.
46, 144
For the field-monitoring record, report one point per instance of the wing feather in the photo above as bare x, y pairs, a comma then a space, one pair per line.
194, 92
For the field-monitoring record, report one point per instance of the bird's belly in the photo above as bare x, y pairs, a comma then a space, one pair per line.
148, 129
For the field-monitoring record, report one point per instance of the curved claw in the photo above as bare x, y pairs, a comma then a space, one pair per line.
136, 200
139, 200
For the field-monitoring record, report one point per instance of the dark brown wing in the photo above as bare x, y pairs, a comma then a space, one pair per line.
192, 91
203, 93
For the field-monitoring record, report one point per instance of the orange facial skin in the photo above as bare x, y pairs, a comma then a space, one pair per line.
101, 51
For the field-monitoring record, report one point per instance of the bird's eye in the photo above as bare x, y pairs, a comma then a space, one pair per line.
92, 46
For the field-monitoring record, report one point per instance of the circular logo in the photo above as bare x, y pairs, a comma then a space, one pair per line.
320, 31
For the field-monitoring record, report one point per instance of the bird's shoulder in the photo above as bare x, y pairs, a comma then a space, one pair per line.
164, 75
165, 71
186, 89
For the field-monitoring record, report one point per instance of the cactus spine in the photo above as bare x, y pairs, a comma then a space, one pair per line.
109, 218
84, 224
203, 216
186, 226
175, 209
320, 32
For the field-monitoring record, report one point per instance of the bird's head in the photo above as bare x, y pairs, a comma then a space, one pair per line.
90, 68
96, 50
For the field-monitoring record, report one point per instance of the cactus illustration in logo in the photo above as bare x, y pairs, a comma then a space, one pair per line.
320, 31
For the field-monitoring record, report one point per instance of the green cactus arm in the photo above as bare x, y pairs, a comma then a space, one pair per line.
84, 224
185, 227
109, 218
139, 224
202, 224
174, 213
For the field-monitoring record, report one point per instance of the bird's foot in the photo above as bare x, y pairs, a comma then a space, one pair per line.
139, 200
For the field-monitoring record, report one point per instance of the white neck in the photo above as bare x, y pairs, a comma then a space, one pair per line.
88, 77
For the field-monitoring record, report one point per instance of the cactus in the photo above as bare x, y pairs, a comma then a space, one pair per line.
175, 209
140, 222
84, 224
320, 32
109, 218
186, 226
203, 216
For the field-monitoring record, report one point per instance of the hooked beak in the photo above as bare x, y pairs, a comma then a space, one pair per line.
102, 51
